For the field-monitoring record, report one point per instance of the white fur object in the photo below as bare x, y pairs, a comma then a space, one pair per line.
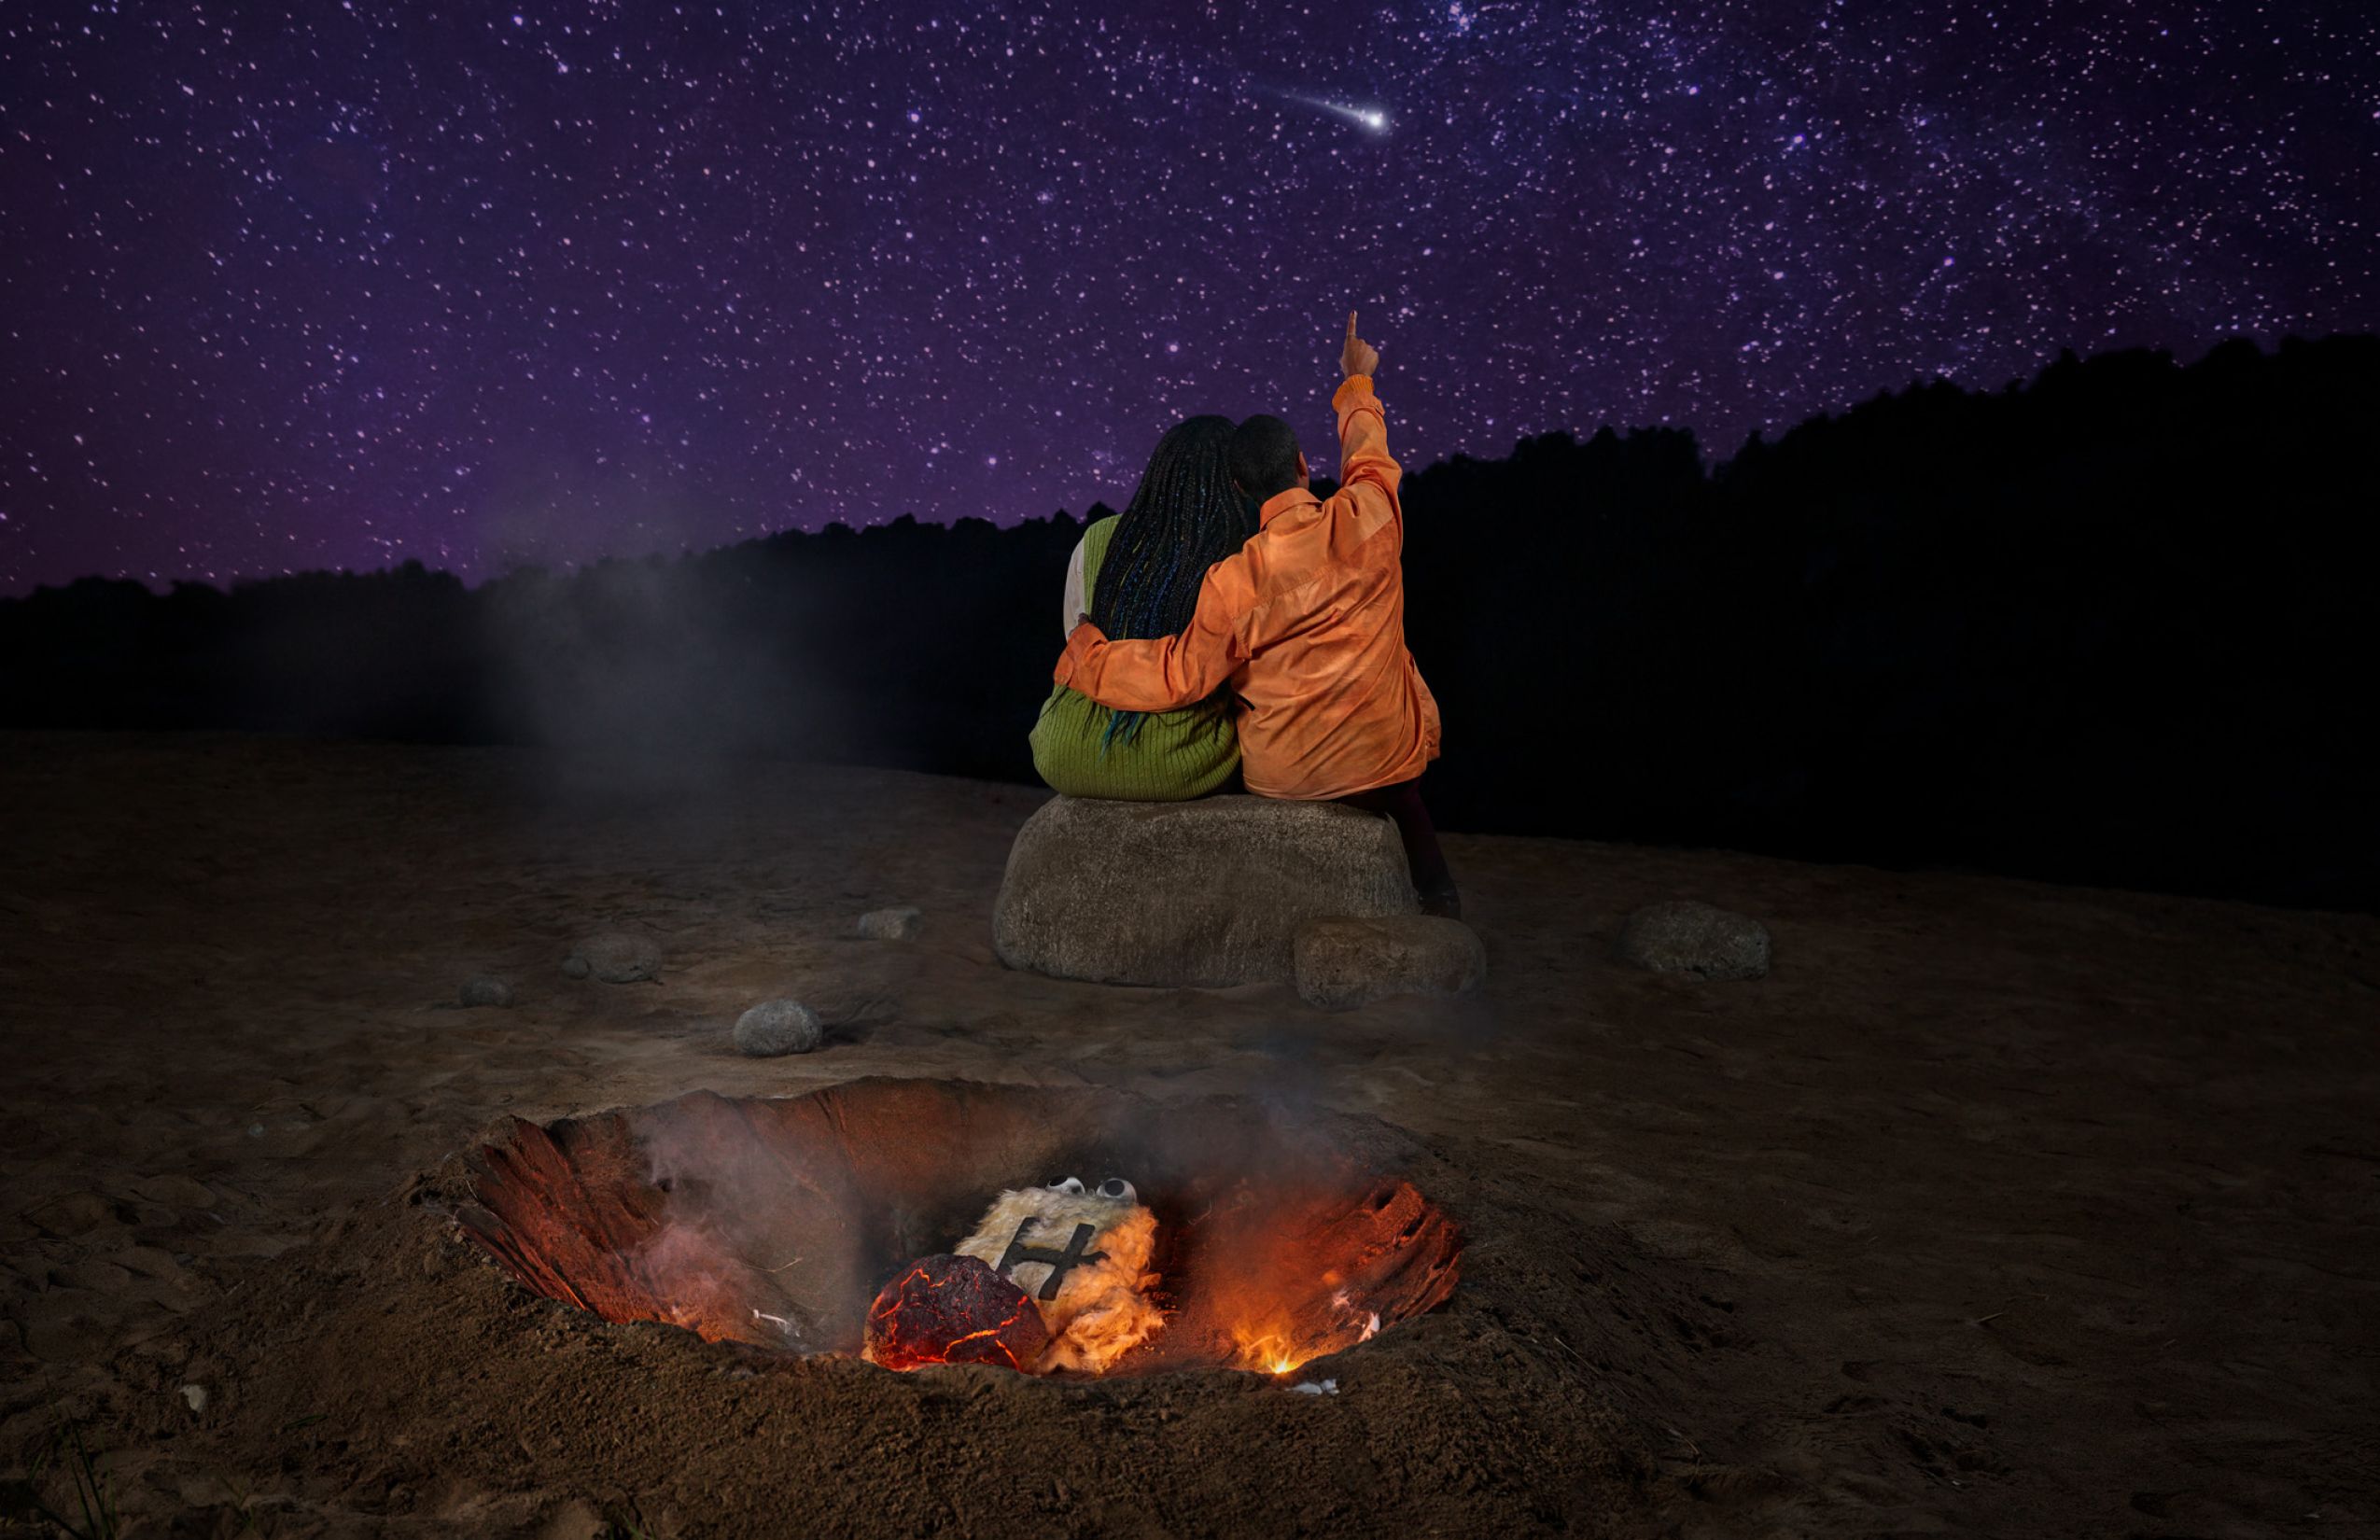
1102, 1310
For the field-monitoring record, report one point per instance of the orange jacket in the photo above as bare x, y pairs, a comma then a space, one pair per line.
1305, 622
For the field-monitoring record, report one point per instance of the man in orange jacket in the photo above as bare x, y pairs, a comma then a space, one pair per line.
1305, 622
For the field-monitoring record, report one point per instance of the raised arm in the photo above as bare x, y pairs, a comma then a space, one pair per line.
1369, 476
1160, 673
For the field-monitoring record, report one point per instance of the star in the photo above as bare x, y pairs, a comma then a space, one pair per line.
685, 277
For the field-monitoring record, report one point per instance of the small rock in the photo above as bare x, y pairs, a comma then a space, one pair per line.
194, 1397
616, 957
891, 924
486, 989
776, 1027
1682, 936
575, 966
75, 1214
1347, 961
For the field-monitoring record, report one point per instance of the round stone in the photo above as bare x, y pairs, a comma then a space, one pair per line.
1682, 936
776, 1027
891, 924
575, 966
618, 957
486, 989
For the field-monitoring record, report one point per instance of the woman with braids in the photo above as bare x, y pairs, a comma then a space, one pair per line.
1305, 625
1140, 572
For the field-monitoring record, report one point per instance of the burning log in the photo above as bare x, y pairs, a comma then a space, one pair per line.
954, 1310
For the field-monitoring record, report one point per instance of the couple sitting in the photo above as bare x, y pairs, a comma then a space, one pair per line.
1236, 630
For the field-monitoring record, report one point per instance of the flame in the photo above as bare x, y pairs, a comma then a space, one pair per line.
1267, 1350
1272, 1344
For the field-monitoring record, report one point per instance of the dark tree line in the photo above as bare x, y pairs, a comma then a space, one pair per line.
2114, 626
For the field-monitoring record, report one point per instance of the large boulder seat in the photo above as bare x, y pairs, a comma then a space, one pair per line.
1198, 894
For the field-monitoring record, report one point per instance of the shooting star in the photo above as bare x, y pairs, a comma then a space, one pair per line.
1370, 118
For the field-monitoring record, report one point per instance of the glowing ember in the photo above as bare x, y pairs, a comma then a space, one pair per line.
1267, 1350
1312, 1275
1276, 1347
954, 1310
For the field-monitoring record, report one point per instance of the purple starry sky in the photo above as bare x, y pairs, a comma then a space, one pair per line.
291, 286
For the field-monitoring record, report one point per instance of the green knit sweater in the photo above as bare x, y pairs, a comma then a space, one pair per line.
1175, 756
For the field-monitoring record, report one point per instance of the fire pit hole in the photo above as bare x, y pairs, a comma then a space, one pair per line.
774, 1222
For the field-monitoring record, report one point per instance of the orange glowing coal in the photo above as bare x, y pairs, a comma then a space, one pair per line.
953, 1309
796, 1224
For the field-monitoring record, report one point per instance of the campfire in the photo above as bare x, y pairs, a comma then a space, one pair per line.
920, 1222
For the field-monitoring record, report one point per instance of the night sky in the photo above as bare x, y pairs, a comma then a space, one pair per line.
320, 285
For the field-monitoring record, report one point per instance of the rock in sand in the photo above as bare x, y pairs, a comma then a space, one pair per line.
1349, 961
75, 1214
891, 924
486, 989
615, 956
1682, 936
776, 1027
1200, 893
953, 1309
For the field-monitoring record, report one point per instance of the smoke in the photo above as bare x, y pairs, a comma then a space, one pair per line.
648, 677
753, 1241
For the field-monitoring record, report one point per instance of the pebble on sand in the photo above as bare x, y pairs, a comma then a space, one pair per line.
891, 924
486, 989
1682, 936
776, 1027
615, 956
194, 1397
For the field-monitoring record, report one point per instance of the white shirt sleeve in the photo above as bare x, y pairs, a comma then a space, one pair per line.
1074, 596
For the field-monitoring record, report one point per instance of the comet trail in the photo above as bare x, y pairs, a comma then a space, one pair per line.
1370, 117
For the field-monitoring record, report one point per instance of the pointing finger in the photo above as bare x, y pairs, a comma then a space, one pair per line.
1351, 326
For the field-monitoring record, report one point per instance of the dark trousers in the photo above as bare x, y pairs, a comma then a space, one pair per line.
1402, 802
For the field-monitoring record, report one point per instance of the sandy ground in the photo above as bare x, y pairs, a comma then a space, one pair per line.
1995, 1209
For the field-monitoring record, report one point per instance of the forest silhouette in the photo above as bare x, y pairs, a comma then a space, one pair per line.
2113, 625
